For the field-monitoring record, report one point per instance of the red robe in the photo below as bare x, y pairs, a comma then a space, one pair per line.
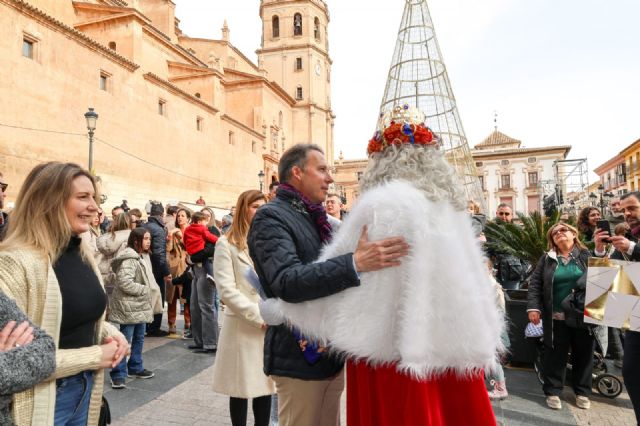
381, 396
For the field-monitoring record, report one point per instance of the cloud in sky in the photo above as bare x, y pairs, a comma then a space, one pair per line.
557, 71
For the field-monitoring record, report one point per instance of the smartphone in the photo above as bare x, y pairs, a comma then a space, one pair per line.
604, 225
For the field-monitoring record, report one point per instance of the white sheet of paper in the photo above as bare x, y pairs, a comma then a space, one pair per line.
633, 271
635, 317
618, 309
599, 280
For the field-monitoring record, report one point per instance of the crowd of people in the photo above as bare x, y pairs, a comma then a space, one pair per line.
309, 294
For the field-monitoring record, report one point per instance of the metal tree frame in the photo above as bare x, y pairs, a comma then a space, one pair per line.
418, 77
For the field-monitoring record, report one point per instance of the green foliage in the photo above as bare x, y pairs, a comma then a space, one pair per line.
527, 241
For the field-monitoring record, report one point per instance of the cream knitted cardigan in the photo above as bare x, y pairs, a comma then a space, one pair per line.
27, 276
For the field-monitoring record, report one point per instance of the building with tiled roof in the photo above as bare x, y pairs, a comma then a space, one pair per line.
512, 174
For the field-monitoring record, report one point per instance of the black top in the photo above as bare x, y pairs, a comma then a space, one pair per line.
284, 243
155, 226
83, 298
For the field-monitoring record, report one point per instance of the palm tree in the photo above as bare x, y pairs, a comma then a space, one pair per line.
526, 241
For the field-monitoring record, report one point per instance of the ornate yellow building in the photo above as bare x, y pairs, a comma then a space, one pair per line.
179, 117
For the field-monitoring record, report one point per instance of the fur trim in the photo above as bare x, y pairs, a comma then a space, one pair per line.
435, 313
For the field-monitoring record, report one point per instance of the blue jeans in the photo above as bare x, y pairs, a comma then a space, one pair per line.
73, 395
134, 333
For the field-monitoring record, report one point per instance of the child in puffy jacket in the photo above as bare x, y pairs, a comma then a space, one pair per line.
196, 236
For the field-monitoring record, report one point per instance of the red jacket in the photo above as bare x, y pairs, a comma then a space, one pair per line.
195, 236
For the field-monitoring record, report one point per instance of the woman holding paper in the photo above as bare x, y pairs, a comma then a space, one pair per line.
238, 371
554, 278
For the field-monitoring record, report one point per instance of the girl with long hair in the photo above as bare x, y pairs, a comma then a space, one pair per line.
130, 304
60, 289
238, 369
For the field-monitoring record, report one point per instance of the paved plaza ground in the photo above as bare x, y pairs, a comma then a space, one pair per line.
181, 394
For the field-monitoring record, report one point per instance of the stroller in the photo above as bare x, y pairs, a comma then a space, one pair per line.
607, 384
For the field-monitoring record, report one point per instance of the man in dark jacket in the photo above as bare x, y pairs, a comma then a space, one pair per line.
510, 271
161, 273
285, 239
627, 248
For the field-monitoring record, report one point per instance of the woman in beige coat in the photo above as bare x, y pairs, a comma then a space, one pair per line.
53, 278
238, 371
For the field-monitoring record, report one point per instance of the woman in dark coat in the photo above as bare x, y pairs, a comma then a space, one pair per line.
555, 278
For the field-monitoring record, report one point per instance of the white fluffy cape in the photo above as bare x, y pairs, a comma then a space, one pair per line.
434, 313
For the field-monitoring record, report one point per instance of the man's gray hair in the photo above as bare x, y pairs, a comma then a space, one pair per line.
295, 156
503, 205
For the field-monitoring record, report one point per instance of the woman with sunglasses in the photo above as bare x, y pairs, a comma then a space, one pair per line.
554, 278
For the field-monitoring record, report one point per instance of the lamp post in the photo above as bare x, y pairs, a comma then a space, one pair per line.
92, 117
593, 197
261, 179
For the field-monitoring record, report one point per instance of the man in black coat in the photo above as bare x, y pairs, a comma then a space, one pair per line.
159, 263
627, 248
285, 239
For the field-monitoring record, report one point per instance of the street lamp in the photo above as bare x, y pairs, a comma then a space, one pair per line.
593, 197
261, 179
92, 117
605, 197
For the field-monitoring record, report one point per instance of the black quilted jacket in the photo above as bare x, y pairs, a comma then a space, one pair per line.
283, 243
158, 232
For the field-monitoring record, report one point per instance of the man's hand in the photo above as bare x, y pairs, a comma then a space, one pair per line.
601, 237
376, 255
621, 243
534, 317
167, 280
13, 336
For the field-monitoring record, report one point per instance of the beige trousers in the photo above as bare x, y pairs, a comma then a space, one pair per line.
309, 402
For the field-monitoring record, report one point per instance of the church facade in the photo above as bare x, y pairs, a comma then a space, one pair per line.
179, 117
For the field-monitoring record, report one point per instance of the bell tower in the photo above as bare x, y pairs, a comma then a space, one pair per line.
295, 53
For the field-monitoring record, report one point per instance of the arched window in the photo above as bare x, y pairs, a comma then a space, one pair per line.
299, 93
316, 28
112, 45
297, 24
275, 27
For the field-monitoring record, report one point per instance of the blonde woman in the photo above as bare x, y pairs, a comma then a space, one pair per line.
238, 369
52, 276
177, 258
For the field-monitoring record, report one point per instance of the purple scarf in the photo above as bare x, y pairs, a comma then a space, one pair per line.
315, 210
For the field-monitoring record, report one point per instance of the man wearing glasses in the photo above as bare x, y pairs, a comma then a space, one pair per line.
510, 270
3, 216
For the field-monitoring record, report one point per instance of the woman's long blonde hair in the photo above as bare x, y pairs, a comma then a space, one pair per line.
237, 235
39, 218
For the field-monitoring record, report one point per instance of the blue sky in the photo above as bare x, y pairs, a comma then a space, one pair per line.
557, 72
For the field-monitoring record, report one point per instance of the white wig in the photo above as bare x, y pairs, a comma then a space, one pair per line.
423, 167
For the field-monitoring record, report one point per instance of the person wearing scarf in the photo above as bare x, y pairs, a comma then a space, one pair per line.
285, 239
